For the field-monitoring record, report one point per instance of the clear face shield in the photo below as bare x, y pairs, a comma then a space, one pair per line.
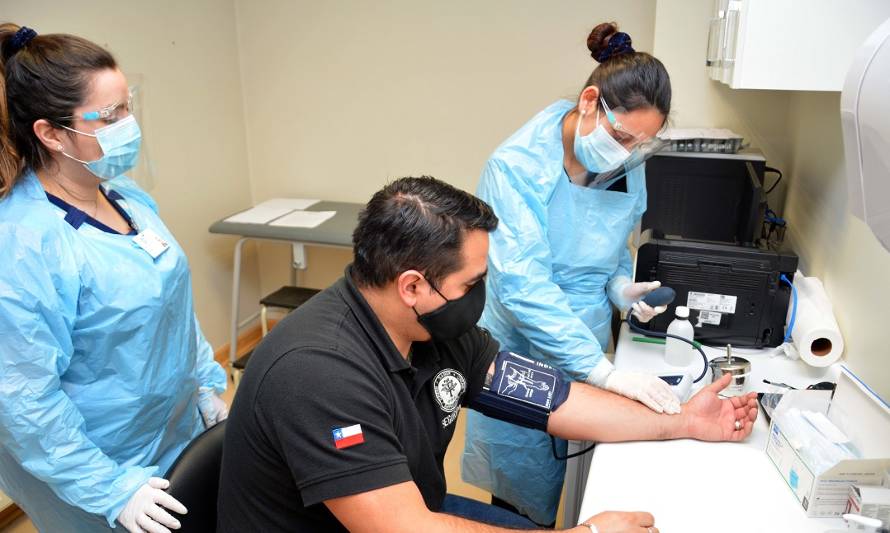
640, 146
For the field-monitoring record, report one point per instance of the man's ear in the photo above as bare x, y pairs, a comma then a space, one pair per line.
408, 284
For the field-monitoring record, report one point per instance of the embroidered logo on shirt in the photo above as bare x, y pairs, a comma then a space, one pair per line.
348, 436
448, 385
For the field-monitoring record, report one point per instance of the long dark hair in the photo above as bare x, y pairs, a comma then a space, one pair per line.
43, 77
627, 78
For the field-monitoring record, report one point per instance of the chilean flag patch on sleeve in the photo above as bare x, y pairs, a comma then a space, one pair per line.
348, 436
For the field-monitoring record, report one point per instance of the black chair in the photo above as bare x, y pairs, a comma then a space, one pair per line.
194, 480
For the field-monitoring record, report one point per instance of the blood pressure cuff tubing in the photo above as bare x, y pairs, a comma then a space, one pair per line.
522, 391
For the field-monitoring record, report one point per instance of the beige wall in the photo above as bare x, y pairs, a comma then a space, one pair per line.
187, 56
337, 99
800, 133
681, 36
341, 97
332, 100
834, 245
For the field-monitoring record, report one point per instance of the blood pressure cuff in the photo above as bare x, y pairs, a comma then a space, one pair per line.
522, 391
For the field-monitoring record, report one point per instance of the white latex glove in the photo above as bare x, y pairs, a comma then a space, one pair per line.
646, 388
635, 292
645, 312
213, 409
145, 511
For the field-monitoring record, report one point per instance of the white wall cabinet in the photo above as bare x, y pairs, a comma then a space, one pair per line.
804, 45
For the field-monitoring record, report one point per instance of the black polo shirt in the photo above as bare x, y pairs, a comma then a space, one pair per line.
291, 438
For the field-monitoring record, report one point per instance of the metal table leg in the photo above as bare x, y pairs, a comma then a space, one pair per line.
577, 470
236, 296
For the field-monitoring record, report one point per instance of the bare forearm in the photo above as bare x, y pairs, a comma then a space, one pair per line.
430, 522
596, 415
400, 509
444, 523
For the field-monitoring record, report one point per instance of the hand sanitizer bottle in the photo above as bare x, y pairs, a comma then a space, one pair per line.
677, 352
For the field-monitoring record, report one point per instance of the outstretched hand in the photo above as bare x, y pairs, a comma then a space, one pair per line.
712, 418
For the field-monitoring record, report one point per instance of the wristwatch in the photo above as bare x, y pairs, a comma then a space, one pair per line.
592, 527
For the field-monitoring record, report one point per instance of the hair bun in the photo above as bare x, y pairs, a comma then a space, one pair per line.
605, 41
20, 39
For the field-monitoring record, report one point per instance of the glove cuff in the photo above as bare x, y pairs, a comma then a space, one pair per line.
125, 487
615, 291
600, 373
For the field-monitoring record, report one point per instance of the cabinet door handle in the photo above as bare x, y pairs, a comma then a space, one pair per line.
730, 35
711, 55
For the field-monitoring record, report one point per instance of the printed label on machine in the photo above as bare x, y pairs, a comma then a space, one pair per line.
709, 317
705, 301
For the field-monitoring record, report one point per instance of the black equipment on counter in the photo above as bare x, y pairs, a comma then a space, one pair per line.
704, 196
734, 293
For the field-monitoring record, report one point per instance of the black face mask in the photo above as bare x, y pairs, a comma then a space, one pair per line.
457, 316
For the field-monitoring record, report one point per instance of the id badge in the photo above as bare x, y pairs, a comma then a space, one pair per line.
152, 243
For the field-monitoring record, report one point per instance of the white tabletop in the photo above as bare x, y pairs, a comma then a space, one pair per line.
693, 486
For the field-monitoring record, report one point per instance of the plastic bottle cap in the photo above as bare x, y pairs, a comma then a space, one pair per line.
868, 524
682, 311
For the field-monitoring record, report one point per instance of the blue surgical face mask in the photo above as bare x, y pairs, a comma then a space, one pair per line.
120, 144
598, 151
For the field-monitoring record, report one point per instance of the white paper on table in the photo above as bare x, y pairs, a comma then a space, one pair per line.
259, 214
303, 219
293, 204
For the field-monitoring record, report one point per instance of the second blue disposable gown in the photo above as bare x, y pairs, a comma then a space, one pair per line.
101, 358
558, 254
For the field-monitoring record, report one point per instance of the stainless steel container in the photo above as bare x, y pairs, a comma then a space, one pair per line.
738, 367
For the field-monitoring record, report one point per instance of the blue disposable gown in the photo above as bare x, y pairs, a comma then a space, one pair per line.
558, 255
100, 359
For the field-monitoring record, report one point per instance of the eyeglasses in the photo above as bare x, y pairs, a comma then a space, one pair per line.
629, 138
109, 114
640, 145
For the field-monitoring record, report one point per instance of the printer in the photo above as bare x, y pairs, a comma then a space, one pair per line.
735, 294
701, 237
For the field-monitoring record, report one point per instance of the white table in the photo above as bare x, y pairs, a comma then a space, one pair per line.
693, 486
335, 232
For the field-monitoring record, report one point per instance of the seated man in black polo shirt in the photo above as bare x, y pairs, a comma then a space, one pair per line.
345, 411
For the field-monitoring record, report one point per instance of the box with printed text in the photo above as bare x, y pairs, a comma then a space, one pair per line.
869, 501
865, 419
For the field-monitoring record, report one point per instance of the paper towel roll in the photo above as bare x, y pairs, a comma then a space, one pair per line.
816, 335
